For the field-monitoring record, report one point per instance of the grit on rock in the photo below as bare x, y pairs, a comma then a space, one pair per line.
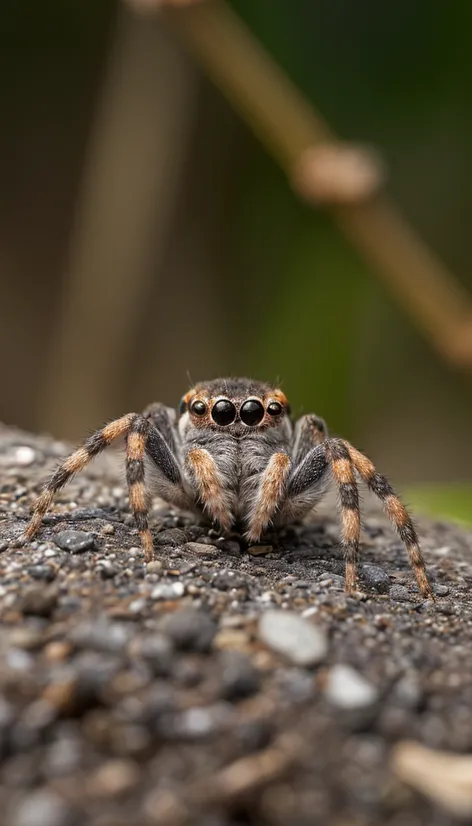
221, 685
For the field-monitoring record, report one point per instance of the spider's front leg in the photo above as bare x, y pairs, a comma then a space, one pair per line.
142, 438
269, 496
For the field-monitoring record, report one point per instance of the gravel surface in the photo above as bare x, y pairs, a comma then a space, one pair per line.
221, 685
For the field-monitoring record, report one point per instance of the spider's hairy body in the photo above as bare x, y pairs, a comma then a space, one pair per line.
232, 452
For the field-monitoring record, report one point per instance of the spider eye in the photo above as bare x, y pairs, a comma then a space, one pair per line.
182, 407
223, 412
252, 412
199, 408
274, 409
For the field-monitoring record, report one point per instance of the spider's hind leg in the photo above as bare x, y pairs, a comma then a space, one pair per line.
308, 484
76, 462
397, 514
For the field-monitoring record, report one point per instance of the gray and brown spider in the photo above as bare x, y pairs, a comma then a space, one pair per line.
232, 452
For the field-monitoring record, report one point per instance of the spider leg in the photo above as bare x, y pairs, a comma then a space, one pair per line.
397, 514
309, 431
76, 462
269, 495
308, 484
209, 484
144, 439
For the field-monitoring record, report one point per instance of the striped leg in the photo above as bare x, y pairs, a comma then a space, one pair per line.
75, 463
139, 499
344, 476
209, 483
310, 431
308, 484
397, 514
269, 495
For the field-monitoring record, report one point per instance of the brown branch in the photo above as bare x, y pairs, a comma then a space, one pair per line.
294, 132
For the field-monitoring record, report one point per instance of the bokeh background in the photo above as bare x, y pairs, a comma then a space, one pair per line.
148, 240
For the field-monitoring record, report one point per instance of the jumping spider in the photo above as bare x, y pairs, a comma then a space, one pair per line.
232, 451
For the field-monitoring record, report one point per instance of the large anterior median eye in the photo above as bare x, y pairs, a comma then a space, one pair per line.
252, 412
223, 412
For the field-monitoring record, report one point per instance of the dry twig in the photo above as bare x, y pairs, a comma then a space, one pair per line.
344, 179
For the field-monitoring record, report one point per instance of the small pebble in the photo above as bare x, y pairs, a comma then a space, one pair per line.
296, 638
238, 675
39, 601
106, 569
227, 579
202, 549
168, 590
26, 638
57, 650
375, 577
116, 777
399, 593
196, 723
172, 536
44, 572
154, 566
24, 456
190, 629
75, 542
108, 529
41, 808
260, 550
348, 689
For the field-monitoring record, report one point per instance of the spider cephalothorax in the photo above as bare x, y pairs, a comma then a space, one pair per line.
232, 452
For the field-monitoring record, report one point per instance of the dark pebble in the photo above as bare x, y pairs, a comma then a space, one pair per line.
227, 579
43, 572
39, 601
190, 629
376, 578
173, 537
399, 593
156, 650
101, 635
106, 569
229, 546
238, 675
76, 542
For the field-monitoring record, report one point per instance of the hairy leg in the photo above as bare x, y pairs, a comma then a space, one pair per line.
309, 431
397, 514
76, 462
307, 485
164, 420
207, 480
269, 495
142, 439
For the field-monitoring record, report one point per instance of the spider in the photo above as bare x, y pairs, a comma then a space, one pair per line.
232, 451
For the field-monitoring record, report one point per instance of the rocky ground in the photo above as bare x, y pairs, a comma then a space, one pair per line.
220, 685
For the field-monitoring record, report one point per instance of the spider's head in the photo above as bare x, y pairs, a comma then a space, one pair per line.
238, 406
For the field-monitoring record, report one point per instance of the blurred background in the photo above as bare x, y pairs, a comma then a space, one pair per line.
148, 240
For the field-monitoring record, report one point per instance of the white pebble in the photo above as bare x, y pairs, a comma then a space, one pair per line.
168, 590
297, 639
25, 455
348, 689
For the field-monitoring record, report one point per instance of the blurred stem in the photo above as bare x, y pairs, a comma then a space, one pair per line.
288, 125
132, 175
